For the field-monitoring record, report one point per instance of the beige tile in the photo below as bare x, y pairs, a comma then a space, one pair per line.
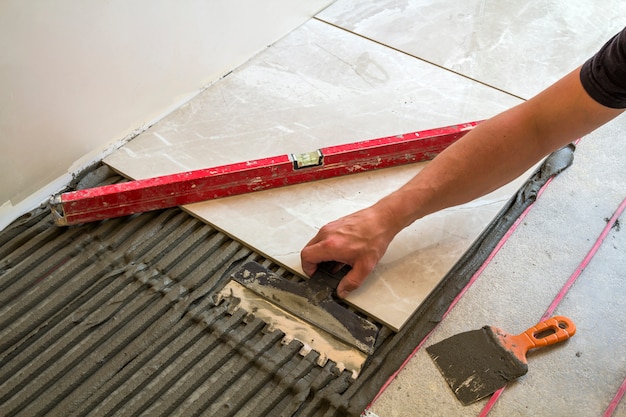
519, 47
321, 86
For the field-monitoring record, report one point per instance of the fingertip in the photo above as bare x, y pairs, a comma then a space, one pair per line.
309, 269
310, 257
345, 288
353, 280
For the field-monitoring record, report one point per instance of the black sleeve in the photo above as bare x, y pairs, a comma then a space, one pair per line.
604, 75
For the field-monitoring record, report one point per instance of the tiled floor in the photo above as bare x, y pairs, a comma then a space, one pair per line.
362, 70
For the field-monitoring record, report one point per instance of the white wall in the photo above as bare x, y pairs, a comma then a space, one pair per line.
78, 77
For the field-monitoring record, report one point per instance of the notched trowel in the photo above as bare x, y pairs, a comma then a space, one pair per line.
477, 363
306, 311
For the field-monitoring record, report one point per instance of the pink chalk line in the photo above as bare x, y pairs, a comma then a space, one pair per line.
616, 400
474, 277
559, 297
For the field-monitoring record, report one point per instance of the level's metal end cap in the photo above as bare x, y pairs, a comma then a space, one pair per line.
56, 208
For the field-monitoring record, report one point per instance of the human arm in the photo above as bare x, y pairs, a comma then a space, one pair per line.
489, 156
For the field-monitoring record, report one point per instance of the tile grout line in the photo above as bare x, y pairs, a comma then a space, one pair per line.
419, 58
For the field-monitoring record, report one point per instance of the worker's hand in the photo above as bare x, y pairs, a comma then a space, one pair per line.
358, 240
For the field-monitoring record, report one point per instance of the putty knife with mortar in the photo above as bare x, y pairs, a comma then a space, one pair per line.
307, 311
479, 362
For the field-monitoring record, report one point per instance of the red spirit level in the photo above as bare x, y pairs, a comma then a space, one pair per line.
139, 196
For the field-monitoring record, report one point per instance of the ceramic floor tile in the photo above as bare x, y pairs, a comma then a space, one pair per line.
317, 87
519, 47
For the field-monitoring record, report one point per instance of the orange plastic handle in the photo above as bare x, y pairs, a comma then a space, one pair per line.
553, 330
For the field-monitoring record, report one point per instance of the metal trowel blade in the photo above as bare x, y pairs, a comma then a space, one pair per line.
313, 301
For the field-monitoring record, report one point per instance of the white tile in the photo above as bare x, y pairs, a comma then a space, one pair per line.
519, 47
317, 87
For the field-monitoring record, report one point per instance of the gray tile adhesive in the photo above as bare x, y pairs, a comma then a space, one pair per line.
118, 318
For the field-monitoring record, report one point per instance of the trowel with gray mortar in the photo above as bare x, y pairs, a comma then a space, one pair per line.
477, 363
307, 311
